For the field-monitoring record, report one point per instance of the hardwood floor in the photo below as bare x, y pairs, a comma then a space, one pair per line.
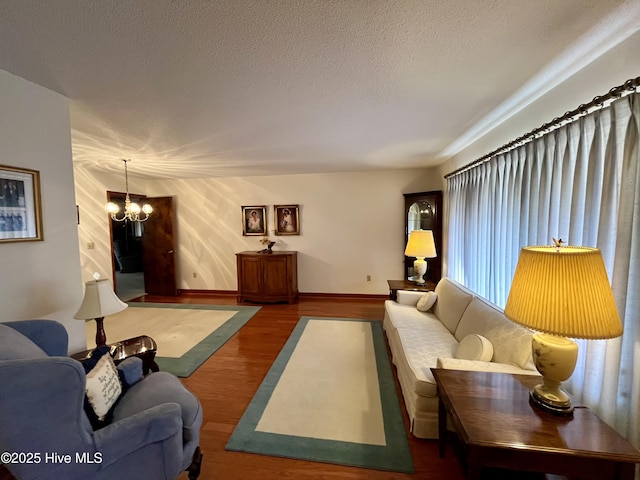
228, 380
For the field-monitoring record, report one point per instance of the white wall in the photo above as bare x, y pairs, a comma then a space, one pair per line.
351, 226
41, 279
93, 231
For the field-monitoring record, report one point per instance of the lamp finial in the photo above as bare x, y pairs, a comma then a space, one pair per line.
558, 243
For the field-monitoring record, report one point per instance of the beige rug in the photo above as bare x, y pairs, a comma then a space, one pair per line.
186, 334
330, 396
175, 330
345, 401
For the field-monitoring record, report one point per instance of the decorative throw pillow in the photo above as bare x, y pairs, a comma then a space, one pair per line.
103, 386
427, 301
92, 360
475, 347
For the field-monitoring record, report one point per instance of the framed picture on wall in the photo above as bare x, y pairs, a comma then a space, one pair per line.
287, 219
20, 207
254, 220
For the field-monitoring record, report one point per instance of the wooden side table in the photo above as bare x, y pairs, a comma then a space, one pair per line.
143, 347
395, 285
499, 428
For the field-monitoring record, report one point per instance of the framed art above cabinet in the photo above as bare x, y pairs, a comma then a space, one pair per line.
423, 211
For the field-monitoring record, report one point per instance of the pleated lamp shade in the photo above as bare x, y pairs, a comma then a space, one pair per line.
563, 291
421, 244
99, 300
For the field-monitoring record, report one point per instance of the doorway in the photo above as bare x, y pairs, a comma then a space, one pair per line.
127, 256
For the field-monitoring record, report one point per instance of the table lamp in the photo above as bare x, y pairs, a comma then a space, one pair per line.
420, 245
99, 301
561, 291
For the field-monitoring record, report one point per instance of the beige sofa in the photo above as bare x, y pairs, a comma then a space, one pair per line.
421, 340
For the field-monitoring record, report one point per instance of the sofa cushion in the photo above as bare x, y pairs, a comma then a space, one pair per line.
421, 348
453, 300
478, 366
427, 301
408, 297
15, 346
406, 316
511, 346
475, 347
511, 342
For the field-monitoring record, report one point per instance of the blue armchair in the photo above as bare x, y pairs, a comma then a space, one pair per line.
154, 430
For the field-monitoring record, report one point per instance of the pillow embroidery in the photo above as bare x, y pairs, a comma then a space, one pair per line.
426, 301
475, 347
103, 386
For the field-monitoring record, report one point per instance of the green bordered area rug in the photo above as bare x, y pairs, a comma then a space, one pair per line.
329, 397
186, 334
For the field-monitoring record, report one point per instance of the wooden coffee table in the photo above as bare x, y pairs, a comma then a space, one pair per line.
498, 428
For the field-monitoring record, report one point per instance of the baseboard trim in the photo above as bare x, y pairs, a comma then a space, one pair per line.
344, 296
303, 295
185, 292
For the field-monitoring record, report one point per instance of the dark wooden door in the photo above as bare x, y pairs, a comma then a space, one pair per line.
159, 248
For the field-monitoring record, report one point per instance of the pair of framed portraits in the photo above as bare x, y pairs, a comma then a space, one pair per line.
286, 220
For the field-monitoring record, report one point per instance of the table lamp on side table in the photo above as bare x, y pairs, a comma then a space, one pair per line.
420, 245
99, 301
561, 291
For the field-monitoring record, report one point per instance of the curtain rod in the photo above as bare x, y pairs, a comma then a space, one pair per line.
615, 93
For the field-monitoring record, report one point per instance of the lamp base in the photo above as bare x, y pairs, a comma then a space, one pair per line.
555, 358
420, 267
101, 337
538, 400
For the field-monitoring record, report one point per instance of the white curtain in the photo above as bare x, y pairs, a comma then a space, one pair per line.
579, 183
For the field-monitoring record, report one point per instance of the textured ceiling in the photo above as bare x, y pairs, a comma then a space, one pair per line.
218, 88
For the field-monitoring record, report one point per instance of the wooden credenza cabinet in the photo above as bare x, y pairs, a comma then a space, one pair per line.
267, 277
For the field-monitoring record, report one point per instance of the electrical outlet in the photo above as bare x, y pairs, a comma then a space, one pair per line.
91, 245
368, 278
195, 275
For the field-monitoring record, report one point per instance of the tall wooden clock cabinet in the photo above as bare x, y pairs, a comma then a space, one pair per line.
423, 211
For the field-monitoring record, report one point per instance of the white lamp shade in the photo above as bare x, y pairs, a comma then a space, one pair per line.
421, 244
99, 300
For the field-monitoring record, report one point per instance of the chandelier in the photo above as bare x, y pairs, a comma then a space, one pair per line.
132, 211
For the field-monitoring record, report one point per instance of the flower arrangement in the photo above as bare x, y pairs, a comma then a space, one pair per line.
268, 242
